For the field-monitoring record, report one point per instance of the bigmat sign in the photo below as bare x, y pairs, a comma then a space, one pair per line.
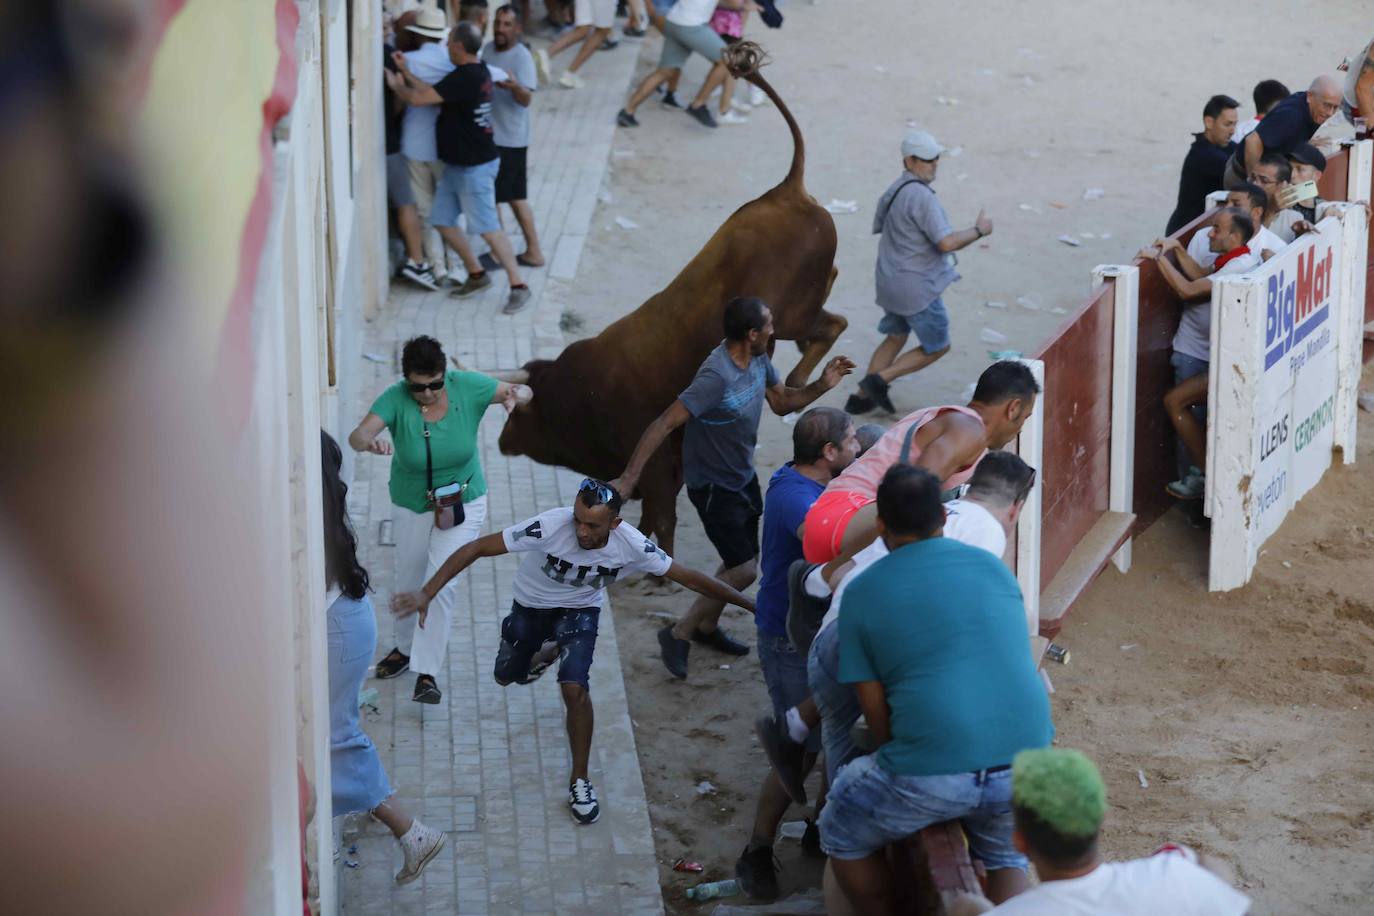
1280, 348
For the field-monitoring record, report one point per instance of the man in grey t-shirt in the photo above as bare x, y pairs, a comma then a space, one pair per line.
915, 265
510, 122
721, 410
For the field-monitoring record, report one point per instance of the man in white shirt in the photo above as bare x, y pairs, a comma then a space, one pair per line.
686, 30
982, 517
571, 557
1058, 805
1192, 284
1251, 199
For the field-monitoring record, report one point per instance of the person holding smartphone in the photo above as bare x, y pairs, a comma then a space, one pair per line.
432, 415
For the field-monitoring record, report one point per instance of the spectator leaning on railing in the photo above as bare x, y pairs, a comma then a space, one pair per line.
1267, 94
1205, 164
1293, 121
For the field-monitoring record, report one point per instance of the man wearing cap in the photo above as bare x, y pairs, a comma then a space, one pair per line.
915, 265
1292, 121
1058, 805
429, 62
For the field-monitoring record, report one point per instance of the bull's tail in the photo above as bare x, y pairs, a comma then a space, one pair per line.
744, 59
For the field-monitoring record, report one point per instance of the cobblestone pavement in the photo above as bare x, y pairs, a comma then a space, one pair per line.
490, 764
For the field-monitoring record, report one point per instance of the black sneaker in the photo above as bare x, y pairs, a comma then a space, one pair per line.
702, 115
488, 261
674, 652
757, 874
582, 802
876, 389
721, 641
669, 100
625, 119
420, 275
426, 691
811, 841
610, 44
395, 663
784, 754
858, 404
634, 31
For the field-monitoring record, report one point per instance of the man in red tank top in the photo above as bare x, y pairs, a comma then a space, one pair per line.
947, 441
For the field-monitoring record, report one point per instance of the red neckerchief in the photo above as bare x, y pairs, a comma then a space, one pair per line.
1231, 255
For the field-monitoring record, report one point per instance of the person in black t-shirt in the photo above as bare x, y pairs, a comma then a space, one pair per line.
1205, 163
468, 150
1292, 121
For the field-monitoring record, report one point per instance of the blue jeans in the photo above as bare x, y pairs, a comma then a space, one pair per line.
471, 190
931, 325
868, 807
838, 704
784, 674
357, 780
526, 628
1186, 367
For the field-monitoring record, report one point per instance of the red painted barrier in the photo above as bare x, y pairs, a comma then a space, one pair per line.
1078, 361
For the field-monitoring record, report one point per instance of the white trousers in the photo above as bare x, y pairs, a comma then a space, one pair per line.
420, 550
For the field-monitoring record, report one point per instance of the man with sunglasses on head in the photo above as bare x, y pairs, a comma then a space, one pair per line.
571, 555
915, 265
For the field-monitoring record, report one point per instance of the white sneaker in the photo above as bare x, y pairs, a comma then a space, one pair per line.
570, 80
757, 96
741, 107
731, 117
582, 802
420, 845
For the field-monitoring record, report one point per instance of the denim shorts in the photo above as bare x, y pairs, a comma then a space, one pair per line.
838, 704
784, 673
526, 628
931, 325
467, 190
868, 807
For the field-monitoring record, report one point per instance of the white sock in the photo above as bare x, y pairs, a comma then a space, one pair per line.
797, 730
815, 584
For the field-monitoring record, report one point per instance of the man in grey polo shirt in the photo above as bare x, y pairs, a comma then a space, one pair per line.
915, 264
510, 122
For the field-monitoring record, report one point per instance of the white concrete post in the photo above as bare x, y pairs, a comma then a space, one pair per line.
1030, 445
1350, 324
1125, 324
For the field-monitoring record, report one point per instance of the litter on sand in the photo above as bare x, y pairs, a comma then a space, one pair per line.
945, 100
1144, 783
1070, 241
989, 336
1129, 646
1086, 235
684, 865
956, 151
724, 667
842, 206
1058, 311
793, 830
624, 222
1026, 302
705, 788
1028, 208
993, 304
1093, 194
961, 176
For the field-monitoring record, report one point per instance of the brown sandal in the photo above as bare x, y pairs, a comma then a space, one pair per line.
526, 262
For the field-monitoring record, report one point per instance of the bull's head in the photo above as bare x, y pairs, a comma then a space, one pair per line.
523, 433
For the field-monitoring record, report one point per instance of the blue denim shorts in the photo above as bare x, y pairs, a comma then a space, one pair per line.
838, 704
931, 325
784, 673
525, 629
868, 807
470, 190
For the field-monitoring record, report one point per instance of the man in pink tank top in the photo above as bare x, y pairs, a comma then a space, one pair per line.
947, 441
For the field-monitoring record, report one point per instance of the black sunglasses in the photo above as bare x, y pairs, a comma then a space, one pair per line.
417, 387
601, 491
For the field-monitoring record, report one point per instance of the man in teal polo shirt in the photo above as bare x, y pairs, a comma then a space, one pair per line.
944, 676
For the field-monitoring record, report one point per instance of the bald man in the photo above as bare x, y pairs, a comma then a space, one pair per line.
1292, 122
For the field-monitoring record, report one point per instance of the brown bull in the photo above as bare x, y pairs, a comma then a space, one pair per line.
592, 403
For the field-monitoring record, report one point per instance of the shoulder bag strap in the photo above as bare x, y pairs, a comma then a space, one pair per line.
429, 462
893, 199
906, 443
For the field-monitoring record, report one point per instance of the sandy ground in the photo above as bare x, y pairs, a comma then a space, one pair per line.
1248, 713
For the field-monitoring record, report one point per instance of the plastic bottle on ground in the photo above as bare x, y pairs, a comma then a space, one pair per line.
713, 889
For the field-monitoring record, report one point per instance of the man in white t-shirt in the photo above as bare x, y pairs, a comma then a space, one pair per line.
1252, 199
1058, 805
982, 517
571, 555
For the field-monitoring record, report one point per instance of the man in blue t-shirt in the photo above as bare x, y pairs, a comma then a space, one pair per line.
823, 444
721, 410
933, 637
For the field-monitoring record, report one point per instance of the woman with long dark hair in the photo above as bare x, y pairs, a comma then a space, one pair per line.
359, 783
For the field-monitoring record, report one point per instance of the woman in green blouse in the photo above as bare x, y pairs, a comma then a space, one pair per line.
445, 407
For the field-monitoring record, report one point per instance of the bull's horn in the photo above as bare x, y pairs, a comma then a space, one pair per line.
513, 376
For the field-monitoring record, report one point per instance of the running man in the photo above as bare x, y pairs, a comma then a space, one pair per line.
947, 441
571, 556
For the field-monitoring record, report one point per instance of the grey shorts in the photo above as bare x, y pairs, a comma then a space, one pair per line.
398, 190
680, 41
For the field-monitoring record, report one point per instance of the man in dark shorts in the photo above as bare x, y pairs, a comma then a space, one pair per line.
510, 121
570, 557
721, 410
